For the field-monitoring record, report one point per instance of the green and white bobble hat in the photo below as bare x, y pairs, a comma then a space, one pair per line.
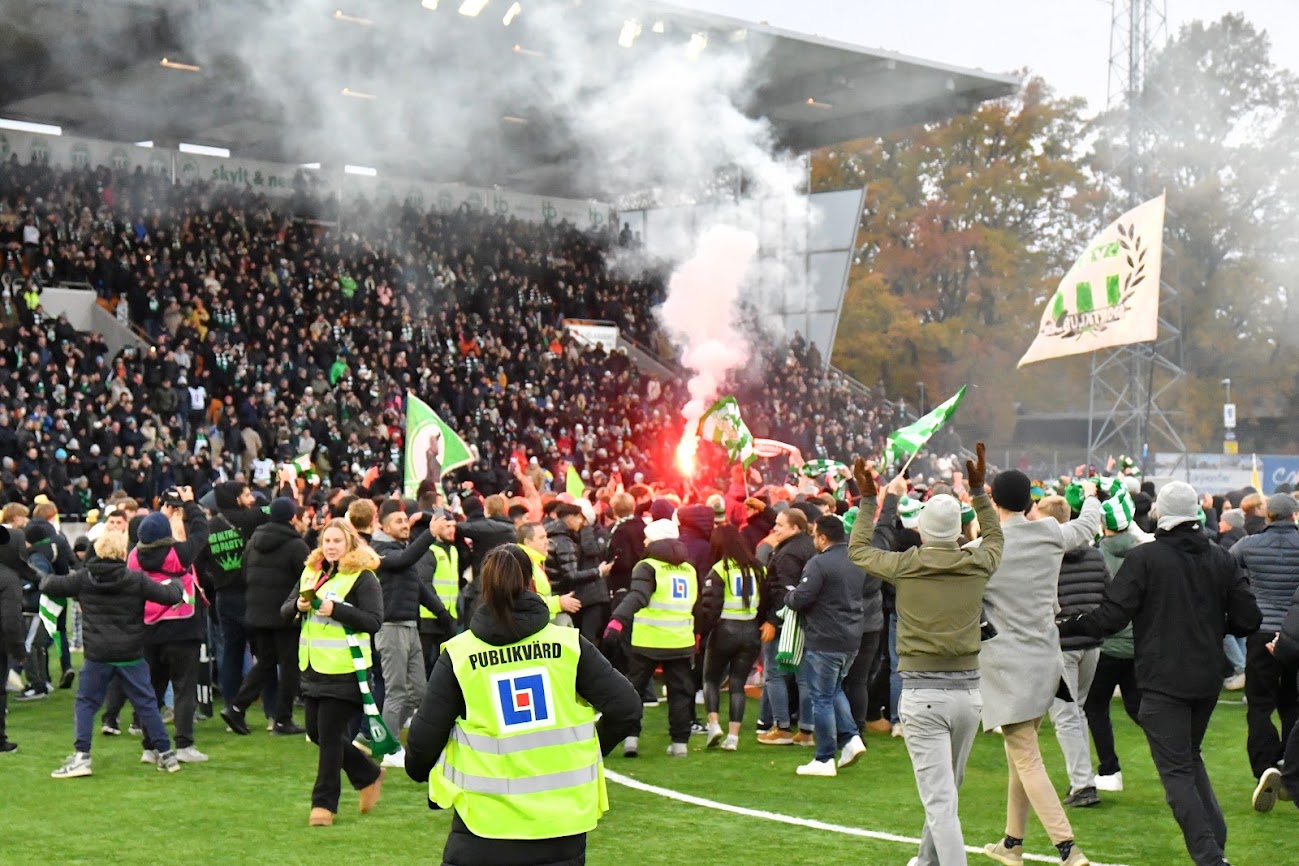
1117, 511
909, 511
967, 513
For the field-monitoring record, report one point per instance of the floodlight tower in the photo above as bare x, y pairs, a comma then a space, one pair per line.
1131, 384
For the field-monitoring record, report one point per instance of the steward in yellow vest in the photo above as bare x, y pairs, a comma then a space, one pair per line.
440, 571
510, 714
659, 612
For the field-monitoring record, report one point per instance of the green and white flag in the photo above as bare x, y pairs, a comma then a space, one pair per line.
305, 468
817, 468
912, 438
49, 610
722, 425
432, 448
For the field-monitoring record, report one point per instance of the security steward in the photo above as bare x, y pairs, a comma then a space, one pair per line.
445, 581
511, 712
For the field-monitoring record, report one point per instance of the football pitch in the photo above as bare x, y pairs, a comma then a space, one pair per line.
249, 804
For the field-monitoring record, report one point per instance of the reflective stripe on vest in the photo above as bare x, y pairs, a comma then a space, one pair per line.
667, 622
446, 579
524, 762
322, 644
733, 591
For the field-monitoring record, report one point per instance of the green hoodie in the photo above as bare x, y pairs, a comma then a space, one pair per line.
1115, 548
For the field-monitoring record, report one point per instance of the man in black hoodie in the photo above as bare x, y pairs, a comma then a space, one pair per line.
13, 571
1181, 593
273, 563
112, 610
233, 525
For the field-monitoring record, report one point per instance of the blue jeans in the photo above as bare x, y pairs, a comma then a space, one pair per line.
804, 698
775, 694
92, 688
1234, 647
233, 656
831, 715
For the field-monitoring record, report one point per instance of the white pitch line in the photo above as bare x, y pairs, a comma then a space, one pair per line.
878, 835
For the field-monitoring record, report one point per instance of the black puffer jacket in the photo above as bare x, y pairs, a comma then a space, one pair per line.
112, 606
1083, 577
405, 589
273, 564
626, 547
643, 582
1182, 593
784, 572
565, 568
12, 572
597, 683
485, 534
1270, 560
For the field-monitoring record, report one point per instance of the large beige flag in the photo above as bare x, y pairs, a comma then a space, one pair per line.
1110, 297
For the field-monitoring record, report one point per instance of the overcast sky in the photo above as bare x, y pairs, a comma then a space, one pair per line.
1065, 41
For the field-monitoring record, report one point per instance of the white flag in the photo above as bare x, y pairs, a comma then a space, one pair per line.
1110, 297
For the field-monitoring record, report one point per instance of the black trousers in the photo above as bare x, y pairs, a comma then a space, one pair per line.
4, 693
329, 722
856, 685
733, 647
1175, 729
464, 848
431, 645
176, 663
1269, 688
275, 660
1111, 671
590, 622
681, 691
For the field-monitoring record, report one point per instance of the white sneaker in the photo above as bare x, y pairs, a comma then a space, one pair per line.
897, 730
270, 726
77, 765
699, 698
631, 747
1112, 782
731, 743
715, 735
149, 756
190, 755
853, 750
678, 750
396, 759
818, 768
1265, 795
1234, 684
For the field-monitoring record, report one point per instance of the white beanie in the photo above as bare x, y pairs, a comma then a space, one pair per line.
661, 530
1177, 504
940, 519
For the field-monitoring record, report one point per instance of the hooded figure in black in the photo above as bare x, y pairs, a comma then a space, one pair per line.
14, 573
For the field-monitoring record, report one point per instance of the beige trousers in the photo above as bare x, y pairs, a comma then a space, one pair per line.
1030, 785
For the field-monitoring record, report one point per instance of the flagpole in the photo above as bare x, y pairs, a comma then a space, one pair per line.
905, 466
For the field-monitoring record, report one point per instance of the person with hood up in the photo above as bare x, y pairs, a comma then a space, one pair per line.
659, 609
1114, 668
113, 600
273, 562
171, 541
337, 597
1181, 593
567, 574
14, 572
514, 723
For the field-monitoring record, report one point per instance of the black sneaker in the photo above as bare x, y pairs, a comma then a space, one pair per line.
696, 728
66, 681
235, 720
8, 746
290, 729
1083, 797
34, 693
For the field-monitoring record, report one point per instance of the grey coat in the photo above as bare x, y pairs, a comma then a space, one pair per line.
1020, 668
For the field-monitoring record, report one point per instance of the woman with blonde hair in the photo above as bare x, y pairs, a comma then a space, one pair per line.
339, 601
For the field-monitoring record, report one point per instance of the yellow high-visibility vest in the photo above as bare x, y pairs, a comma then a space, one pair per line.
446, 579
668, 621
322, 643
732, 578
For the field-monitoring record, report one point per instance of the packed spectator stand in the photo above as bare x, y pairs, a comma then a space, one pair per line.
276, 331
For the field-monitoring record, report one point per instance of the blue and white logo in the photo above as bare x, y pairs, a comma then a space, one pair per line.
680, 589
523, 699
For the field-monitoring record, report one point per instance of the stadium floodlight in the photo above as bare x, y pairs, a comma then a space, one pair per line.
314, 166
471, 8
148, 143
168, 63
204, 150
356, 94
695, 47
431, 5
340, 15
630, 30
363, 170
28, 126
511, 14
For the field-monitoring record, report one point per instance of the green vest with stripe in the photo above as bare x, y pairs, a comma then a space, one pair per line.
732, 578
446, 580
668, 621
524, 762
322, 644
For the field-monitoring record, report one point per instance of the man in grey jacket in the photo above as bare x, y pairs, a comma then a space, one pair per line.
1022, 666
830, 605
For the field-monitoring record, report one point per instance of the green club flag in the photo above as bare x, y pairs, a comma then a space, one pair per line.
305, 468
432, 448
573, 482
817, 468
913, 437
48, 610
722, 425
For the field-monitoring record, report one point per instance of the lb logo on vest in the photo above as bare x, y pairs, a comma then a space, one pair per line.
523, 699
680, 589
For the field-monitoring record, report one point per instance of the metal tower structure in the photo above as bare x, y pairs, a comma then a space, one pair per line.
1130, 385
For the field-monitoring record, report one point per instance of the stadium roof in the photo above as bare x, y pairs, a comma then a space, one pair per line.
97, 69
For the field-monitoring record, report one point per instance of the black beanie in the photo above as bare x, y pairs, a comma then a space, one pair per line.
283, 510
1013, 491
